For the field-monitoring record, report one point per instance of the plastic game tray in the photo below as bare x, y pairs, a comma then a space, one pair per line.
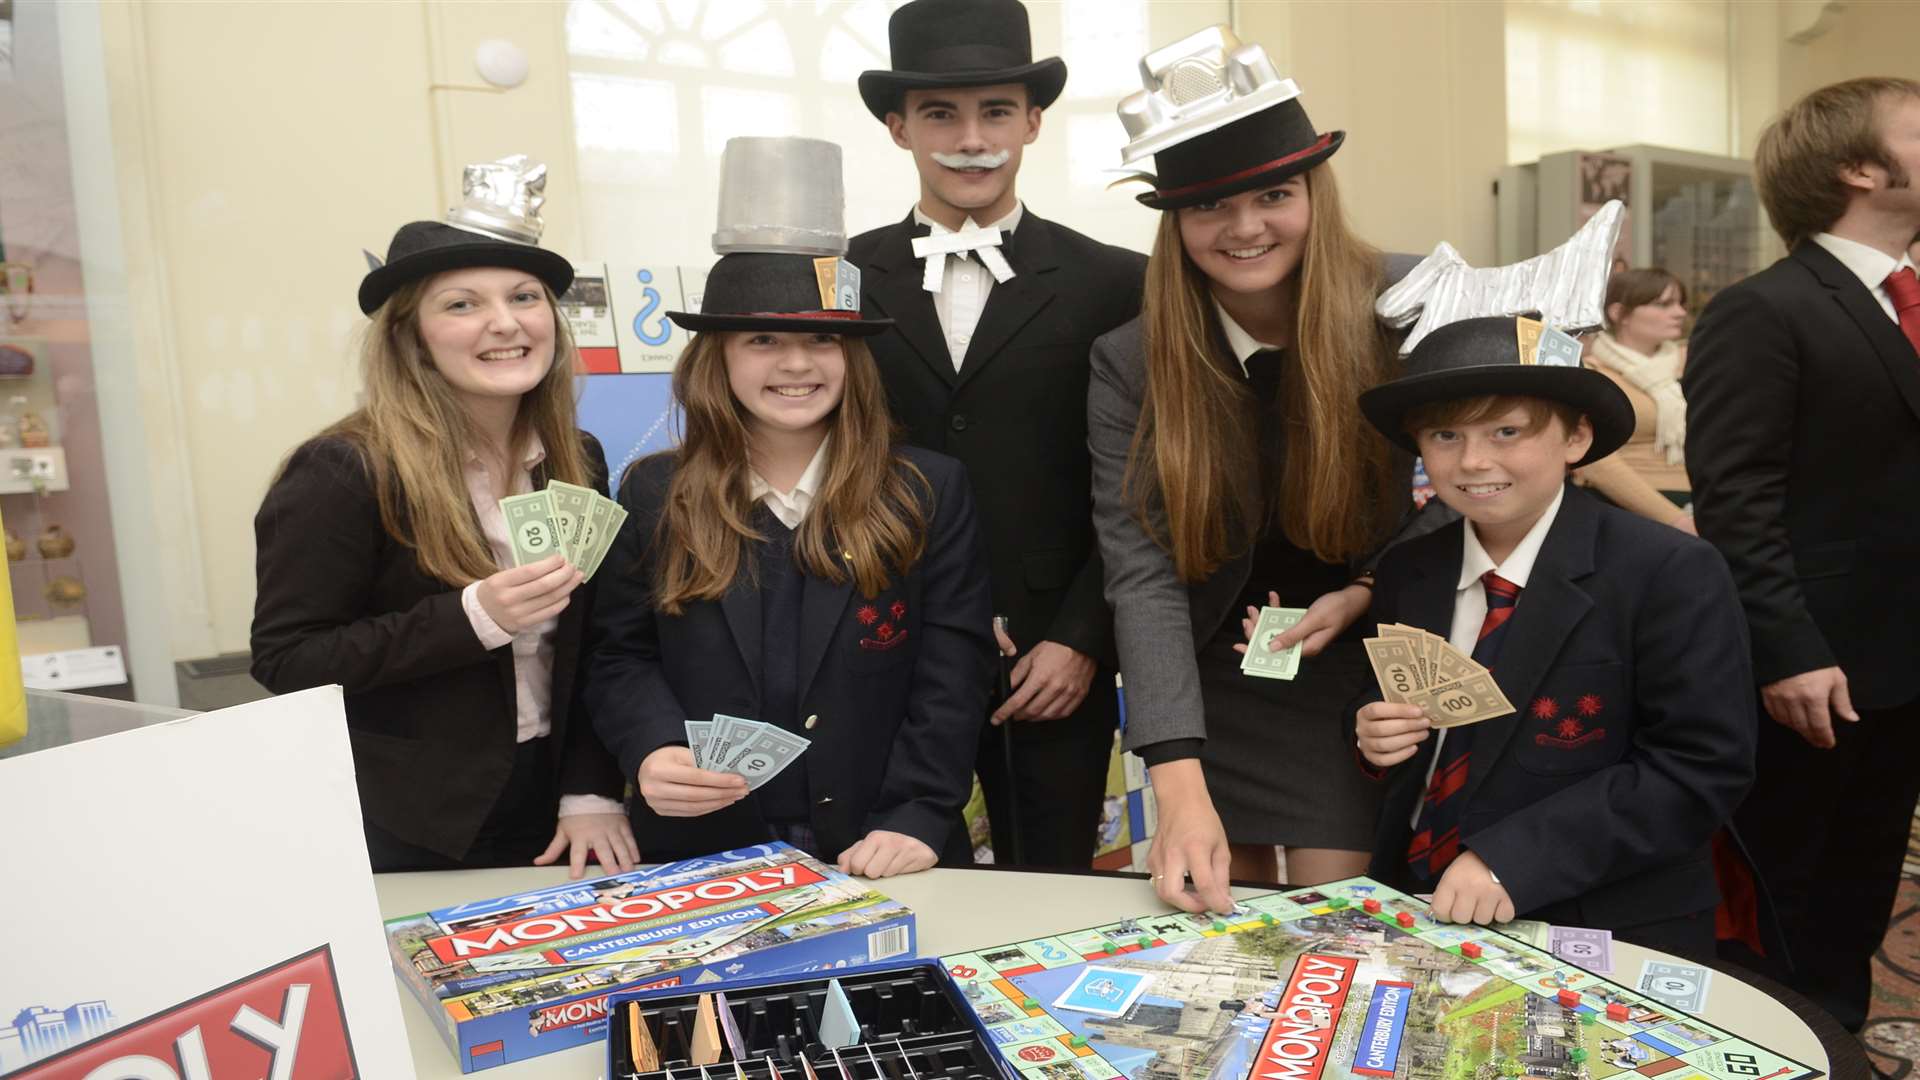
913, 1024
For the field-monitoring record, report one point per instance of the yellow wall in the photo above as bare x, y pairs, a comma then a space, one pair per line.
278, 141
1864, 37
1420, 88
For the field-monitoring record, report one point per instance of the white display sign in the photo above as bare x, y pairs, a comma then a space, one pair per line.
618, 314
74, 669
193, 901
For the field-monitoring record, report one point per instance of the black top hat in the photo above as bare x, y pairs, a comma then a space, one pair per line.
1257, 151
496, 224
793, 293
424, 248
1482, 356
936, 43
1218, 120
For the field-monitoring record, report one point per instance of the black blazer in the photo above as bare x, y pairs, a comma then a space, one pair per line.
1015, 413
1634, 737
894, 723
1803, 445
431, 713
1158, 612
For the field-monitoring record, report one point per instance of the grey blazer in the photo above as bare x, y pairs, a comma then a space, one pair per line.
1159, 622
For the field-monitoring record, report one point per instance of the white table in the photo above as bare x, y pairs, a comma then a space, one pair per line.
960, 910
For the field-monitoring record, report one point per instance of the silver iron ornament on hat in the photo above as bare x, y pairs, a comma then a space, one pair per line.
1566, 287
1198, 84
502, 199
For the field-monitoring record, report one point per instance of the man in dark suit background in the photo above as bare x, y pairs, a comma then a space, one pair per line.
1803, 444
995, 312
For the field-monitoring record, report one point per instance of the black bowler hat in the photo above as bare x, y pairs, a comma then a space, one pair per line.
1218, 120
780, 237
768, 291
1500, 355
939, 43
497, 224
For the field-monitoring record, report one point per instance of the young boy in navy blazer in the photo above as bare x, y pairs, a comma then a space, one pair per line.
1619, 642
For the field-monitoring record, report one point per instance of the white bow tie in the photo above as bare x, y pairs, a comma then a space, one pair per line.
935, 247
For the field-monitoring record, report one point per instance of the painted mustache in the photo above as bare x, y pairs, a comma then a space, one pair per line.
974, 161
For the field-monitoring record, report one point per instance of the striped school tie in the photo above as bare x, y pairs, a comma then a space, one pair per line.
1436, 832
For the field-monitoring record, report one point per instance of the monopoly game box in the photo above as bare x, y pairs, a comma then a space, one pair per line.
518, 976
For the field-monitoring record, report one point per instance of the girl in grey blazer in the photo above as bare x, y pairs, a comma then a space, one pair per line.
1232, 469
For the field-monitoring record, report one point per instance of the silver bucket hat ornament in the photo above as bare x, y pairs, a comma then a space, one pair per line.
496, 224
781, 238
1218, 120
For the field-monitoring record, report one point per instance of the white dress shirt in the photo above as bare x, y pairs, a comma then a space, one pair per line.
532, 647
791, 506
1242, 343
1869, 264
965, 285
1470, 596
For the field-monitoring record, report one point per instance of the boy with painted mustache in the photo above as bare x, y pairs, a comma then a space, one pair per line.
995, 311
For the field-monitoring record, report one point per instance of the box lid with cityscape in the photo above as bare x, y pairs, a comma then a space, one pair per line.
514, 976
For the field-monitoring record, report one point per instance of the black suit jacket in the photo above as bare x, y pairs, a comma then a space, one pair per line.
896, 724
1634, 737
431, 713
1015, 412
1803, 445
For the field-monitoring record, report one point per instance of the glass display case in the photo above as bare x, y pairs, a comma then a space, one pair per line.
58, 719
1697, 215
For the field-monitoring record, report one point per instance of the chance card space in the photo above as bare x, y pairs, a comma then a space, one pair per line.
1104, 991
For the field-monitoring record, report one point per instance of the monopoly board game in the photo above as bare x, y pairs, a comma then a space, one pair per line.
515, 976
1346, 980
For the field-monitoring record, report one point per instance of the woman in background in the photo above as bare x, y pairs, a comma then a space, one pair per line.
1641, 349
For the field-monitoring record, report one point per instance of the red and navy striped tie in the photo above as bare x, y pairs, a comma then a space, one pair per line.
1436, 832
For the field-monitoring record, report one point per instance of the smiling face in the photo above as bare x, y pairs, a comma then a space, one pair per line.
966, 144
1252, 242
489, 330
1501, 472
789, 383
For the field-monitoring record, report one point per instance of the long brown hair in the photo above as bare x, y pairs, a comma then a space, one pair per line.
1193, 449
868, 518
415, 437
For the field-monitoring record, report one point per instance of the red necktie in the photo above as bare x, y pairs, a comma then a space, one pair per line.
1436, 832
1905, 291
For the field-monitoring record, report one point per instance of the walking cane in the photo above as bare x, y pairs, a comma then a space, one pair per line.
1016, 856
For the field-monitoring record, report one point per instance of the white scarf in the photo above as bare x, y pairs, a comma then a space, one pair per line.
1657, 376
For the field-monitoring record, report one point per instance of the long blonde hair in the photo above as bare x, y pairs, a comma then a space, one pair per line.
868, 518
415, 437
1193, 452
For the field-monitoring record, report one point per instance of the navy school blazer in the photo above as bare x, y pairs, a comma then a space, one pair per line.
1627, 660
432, 713
895, 713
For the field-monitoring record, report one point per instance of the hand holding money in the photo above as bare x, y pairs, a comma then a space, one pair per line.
1418, 668
673, 786
1263, 656
749, 749
1390, 732
578, 523
526, 596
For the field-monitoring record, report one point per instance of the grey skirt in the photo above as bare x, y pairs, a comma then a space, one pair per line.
1277, 763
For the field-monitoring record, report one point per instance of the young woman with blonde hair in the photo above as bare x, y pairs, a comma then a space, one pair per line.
384, 563
1233, 470
790, 563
